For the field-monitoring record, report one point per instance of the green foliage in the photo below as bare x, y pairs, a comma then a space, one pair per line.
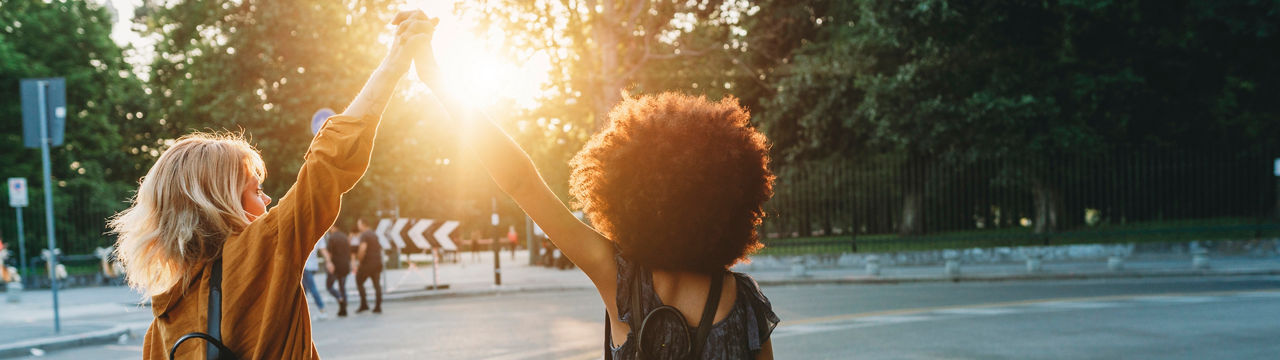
1033, 85
99, 163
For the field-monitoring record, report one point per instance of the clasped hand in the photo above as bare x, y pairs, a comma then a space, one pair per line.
412, 40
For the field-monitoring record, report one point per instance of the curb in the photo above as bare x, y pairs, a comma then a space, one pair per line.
23, 348
872, 280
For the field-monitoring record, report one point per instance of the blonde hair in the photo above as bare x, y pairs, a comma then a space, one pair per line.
186, 206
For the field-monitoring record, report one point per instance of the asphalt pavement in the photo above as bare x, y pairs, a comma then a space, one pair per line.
1164, 318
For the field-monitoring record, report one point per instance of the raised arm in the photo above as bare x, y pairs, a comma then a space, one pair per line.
515, 173
335, 160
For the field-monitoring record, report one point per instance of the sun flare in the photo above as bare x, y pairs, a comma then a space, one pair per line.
474, 65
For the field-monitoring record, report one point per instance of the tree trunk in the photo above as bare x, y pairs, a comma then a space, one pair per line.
608, 85
1048, 207
606, 97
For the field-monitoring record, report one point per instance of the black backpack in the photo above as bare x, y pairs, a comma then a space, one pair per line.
694, 351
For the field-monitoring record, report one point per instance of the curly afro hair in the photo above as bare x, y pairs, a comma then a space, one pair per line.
678, 182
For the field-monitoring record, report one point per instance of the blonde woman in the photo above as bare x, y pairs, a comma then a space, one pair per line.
202, 204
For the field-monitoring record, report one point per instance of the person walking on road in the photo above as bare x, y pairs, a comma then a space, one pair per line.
369, 256
675, 186
309, 279
336, 250
200, 216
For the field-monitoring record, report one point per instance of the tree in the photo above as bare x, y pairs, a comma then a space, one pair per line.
98, 164
1034, 87
598, 48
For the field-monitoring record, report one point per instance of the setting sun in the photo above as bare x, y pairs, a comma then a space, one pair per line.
473, 63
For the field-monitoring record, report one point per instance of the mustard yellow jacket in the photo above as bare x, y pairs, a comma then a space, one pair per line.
264, 311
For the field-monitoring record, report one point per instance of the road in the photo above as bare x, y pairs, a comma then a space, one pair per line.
1185, 318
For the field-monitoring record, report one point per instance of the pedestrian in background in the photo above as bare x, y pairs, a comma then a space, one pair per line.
369, 256
514, 239
336, 249
309, 279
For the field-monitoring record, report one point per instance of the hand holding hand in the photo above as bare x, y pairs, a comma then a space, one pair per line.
413, 36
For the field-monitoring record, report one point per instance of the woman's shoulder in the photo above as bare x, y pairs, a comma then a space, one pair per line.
760, 320
749, 287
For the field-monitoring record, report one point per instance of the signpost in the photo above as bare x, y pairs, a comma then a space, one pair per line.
18, 200
44, 114
496, 244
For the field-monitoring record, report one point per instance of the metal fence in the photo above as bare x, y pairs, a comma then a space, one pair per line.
81, 213
887, 203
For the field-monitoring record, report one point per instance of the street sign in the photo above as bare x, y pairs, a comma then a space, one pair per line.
55, 96
381, 232
415, 233
442, 236
395, 232
1277, 168
317, 120
18, 192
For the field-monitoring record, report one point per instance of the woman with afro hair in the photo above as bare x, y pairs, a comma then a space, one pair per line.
674, 186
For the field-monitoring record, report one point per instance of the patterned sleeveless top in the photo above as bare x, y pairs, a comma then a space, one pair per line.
739, 335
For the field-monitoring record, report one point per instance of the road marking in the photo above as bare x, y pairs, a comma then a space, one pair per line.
851, 321
979, 311
894, 319
1180, 299
1075, 305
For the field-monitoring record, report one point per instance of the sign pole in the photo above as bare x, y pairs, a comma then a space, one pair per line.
22, 246
1276, 172
48, 202
528, 237
496, 244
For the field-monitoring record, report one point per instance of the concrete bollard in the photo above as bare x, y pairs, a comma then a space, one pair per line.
1034, 263
953, 263
1115, 263
1200, 259
13, 292
873, 265
798, 269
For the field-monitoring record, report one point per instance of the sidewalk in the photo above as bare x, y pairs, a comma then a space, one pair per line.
109, 314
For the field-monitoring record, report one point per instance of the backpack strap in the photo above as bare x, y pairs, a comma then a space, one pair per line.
708, 312
215, 310
214, 348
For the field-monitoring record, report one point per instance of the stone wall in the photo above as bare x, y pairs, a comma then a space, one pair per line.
997, 255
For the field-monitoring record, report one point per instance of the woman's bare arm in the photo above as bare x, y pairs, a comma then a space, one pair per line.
515, 173
377, 91
766, 351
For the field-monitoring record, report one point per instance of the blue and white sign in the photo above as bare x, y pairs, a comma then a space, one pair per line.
18, 192
1277, 169
317, 120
